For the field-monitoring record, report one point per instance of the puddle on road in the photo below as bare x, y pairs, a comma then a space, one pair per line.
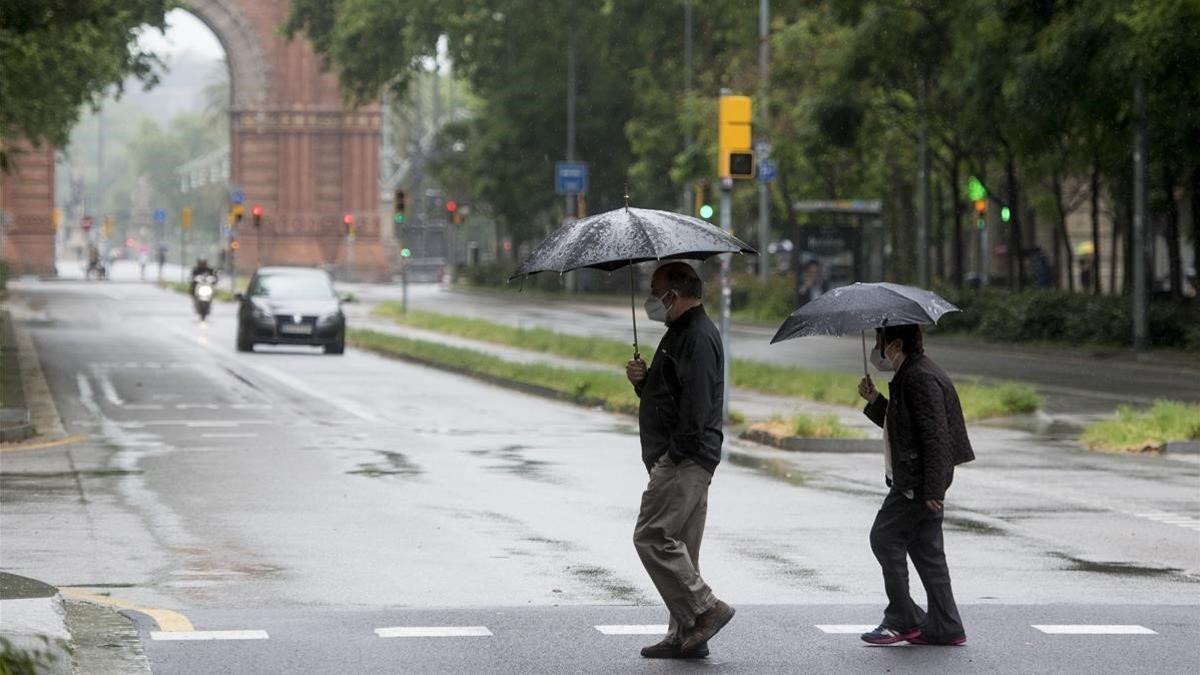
606, 581
961, 524
392, 464
1122, 569
512, 460
781, 565
779, 469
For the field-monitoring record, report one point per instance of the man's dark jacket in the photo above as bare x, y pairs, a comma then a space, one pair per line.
925, 428
683, 394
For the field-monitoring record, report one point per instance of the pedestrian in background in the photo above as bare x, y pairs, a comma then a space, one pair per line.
924, 437
680, 422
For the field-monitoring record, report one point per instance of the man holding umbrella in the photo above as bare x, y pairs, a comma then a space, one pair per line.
680, 420
924, 438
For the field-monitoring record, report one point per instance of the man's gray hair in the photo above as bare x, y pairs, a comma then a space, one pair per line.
682, 278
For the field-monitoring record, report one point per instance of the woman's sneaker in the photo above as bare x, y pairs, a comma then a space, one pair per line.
673, 650
888, 636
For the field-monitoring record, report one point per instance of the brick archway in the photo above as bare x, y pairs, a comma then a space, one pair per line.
294, 149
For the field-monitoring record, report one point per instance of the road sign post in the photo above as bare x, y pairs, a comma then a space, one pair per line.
570, 178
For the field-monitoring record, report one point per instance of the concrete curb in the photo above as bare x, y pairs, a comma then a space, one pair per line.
33, 619
16, 423
1181, 447
828, 445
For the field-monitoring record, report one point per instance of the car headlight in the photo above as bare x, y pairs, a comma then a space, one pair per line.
261, 315
331, 317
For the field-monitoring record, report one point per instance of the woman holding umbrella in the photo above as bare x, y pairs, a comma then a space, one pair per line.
924, 438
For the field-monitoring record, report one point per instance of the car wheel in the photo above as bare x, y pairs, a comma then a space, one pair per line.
338, 347
244, 343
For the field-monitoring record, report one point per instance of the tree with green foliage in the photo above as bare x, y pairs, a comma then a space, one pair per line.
58, 55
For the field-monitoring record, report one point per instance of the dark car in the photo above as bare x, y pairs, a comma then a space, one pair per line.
291, 306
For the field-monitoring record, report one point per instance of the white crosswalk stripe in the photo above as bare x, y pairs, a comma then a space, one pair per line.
1085, 629
433, 631
845, 628
633, 629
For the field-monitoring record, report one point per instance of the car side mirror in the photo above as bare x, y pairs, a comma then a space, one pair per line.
238, 297
346, 297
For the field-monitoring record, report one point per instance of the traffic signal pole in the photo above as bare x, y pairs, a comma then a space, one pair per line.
726, 293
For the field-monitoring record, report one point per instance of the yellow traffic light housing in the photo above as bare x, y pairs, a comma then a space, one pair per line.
735, 159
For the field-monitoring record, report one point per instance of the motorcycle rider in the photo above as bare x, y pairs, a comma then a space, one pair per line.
201, 269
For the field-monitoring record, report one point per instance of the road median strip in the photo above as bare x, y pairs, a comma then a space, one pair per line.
979, 401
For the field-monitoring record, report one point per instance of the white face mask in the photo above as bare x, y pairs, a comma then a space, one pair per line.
656, 310
881, 362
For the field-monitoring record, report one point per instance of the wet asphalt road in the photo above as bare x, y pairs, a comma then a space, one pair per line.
319, 498
1075, 384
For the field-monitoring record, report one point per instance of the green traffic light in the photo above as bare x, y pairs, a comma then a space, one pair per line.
405, 253
706, 211
1005, 214
399, 217
975, 189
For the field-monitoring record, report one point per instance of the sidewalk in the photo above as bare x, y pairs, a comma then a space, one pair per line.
34, 619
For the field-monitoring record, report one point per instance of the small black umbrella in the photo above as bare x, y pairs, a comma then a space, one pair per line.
861, 306
626, 236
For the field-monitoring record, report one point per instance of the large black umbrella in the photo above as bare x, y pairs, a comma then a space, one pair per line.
626, 236
861, 306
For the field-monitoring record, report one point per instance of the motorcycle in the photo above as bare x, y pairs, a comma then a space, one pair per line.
202, 295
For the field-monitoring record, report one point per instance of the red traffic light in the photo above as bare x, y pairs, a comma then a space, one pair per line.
257, 211
451, 206
348, 219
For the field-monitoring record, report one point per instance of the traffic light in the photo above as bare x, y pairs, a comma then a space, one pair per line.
235, 214
700, 205
735, 159
400, 204
406, 252
257, 213
1005, 214
185, 217
348, 224
981, 206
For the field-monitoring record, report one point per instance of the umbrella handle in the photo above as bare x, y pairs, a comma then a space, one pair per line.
864, 347
633, 311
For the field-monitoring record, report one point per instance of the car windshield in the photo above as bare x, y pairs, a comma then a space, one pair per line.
293, 286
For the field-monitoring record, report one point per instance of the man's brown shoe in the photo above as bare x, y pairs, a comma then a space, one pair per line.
707, 625
671, 650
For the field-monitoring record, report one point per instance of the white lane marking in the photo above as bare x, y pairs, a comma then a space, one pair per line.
844, 628
633, 629
143, 406
106, 385
433, 631
209, 635
231, 435
346, 405
1084, 629
212, 423
197, 406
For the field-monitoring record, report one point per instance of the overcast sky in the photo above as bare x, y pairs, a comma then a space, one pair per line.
185, 33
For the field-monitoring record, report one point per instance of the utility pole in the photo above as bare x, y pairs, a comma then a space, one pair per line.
1141, 333
570, 197
726, 293
923, 219
687, 90
764, 191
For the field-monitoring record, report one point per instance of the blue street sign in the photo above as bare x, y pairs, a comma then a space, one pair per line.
160, 216
766, 171
570, 178
237, 196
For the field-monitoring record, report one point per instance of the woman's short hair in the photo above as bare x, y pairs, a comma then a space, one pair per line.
910, 334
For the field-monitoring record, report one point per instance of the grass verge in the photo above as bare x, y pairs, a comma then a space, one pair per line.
1133, 430
979, 401
808, 426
